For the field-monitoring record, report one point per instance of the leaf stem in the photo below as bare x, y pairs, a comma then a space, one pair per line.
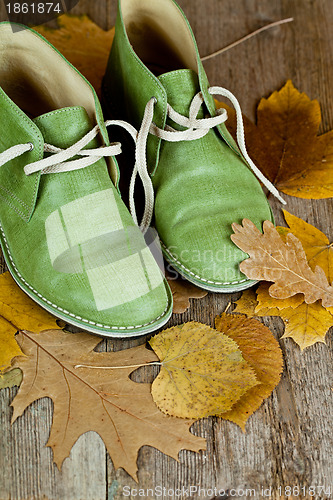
158, 363
228, 307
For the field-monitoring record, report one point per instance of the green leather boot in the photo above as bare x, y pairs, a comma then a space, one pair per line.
68, 240
203, 182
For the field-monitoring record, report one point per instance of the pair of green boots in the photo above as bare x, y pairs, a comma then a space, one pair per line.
68, 239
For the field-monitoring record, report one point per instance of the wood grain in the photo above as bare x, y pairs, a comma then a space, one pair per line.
289, 439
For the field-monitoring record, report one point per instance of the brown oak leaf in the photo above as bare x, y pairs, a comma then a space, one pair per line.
92, 391
182, 291
285, 264
318, 248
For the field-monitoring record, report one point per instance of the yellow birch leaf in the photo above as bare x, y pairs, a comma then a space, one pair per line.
307, 324
262, 352
18, 312
317, 247
83, 43
202, 372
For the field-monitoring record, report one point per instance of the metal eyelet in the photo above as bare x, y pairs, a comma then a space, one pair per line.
31, 146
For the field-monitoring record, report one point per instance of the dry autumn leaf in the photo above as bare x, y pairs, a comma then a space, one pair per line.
86, 398
318, 249
83, 43
306, 324
202, 372
266, 302
18, 312
11, 378
247, 303
285, 264
262, 352
182, 291
285, 146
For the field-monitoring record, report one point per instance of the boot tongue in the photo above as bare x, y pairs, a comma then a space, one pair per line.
63, 127
181, 86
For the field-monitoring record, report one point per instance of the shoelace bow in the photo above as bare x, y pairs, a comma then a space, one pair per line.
60, 160
196, 128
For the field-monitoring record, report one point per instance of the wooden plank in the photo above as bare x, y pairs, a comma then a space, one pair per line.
102, 12
289, 440
27, 469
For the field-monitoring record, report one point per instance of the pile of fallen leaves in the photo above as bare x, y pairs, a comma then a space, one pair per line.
226, 371
299, 260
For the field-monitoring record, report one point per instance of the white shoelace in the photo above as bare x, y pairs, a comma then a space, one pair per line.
196, 128
58, 161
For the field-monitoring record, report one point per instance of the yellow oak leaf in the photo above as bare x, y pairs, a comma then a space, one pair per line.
318, 249
11, 378
83, 43
247, 303
92, 391
266, 302
268, 311
18, 312
202, 372
307, 324
182, 291
262, 352
284, 263
285, 144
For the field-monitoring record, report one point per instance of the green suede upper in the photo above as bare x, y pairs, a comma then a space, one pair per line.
201, 186
55, 236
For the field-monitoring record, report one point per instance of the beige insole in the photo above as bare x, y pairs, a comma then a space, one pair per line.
37, 78
159, 34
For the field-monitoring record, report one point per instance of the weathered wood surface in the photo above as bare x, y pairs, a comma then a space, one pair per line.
289, 441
